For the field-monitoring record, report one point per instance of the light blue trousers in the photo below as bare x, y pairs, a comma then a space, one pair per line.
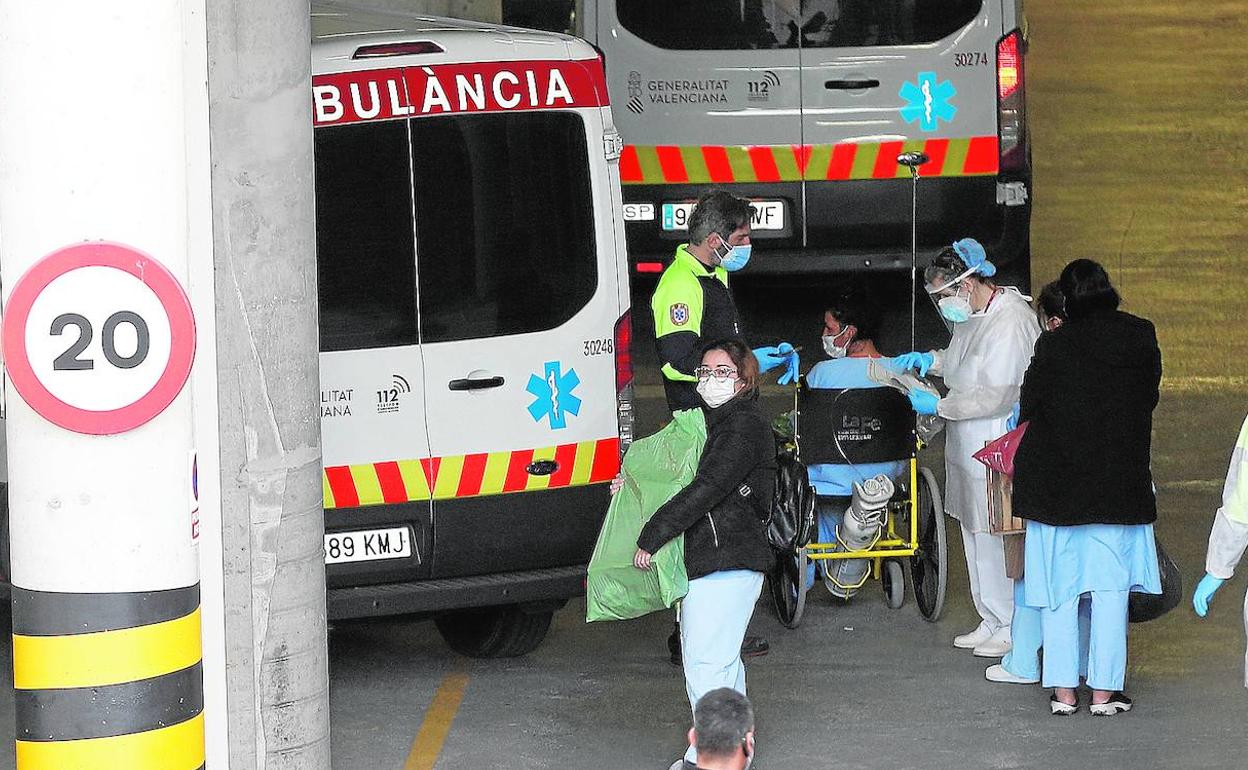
1024, 658
713, 618
1107, 642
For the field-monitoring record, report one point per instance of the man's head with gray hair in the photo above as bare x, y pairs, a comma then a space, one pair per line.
718, 212
723, 726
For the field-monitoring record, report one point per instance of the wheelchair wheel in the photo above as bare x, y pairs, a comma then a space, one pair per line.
929, 568
891, 578
787, 583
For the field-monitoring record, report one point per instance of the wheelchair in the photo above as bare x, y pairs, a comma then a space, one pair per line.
852, 427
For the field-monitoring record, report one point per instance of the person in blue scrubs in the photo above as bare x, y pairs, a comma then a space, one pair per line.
851, 322
1021, 665
1082, 479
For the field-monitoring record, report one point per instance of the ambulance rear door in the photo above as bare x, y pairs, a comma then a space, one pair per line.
706, 93
375, 445
518, 303
884, 76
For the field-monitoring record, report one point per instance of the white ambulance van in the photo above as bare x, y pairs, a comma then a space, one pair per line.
803, 106
474, 312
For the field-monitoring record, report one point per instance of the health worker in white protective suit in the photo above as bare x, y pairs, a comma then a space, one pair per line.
1229, 536
993, 333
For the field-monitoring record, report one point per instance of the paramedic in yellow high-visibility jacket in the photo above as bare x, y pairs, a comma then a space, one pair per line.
692, 304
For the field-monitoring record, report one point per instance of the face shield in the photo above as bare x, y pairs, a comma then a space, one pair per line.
950, 294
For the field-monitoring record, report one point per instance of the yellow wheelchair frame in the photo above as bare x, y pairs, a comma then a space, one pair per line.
922, 541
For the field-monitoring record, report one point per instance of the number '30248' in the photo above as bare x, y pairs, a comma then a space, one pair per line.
599, 347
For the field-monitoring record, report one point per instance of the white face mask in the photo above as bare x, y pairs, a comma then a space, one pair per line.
834, 350
716, 392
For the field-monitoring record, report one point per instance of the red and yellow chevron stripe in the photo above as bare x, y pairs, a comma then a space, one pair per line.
488, 473
667, 164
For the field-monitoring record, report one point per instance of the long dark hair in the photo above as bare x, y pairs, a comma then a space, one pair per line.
1087, 289
1052, 302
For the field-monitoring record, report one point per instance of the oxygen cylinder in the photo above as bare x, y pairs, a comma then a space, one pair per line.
858, 530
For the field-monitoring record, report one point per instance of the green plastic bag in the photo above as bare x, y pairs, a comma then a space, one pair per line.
655, 468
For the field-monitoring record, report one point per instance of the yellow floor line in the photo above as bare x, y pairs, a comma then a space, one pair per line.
437, 723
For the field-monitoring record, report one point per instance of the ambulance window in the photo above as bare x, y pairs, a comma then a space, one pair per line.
504, 223
737, 24
700, 25
365, 262
852, 23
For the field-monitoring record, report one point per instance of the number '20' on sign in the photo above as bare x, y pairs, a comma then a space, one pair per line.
50, 328
70, 360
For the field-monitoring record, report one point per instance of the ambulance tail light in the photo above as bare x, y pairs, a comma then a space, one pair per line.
397, 49
1011, 102
624, 379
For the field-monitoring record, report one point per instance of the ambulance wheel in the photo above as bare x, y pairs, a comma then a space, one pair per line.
929, 567
494, 632
894, 583
787, 583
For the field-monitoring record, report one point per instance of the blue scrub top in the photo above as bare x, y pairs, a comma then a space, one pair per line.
836, 373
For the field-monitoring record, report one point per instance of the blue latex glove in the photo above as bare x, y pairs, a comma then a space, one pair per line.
770, 356
915, 360
792, 364
923, 402
1011, 422
1205, 590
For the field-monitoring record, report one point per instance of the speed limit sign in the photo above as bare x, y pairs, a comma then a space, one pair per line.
98, 338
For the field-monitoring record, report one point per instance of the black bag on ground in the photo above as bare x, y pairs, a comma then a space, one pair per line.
1142, 608
792, 518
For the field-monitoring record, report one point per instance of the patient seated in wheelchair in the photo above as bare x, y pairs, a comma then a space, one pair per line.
853, 432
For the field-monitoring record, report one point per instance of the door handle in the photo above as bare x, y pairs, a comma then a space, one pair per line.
542, 467
851, 85
471, 384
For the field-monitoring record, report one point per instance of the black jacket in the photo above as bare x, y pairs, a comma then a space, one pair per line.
1089, 396
722, 512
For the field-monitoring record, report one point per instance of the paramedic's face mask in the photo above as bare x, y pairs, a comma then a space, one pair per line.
953, 299
733, 252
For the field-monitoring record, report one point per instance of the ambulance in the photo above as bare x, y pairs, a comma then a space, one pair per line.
474, 319
803, 106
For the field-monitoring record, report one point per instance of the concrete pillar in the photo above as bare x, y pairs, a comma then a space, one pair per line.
98, 103
268, 458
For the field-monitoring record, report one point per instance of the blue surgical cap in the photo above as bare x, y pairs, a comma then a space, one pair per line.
974, 257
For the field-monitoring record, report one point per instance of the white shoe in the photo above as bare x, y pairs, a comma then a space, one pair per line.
996, 646
998, 673
970, 641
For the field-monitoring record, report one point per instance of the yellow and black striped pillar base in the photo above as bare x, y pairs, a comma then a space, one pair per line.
108, 680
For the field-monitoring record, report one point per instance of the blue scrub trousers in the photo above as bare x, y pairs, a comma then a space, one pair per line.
1023, 659
1107, 643
713, 618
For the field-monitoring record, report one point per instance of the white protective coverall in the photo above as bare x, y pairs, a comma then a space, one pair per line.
983, 368
1229, 536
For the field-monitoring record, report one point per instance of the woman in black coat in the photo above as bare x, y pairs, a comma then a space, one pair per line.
1082, 480
722, 515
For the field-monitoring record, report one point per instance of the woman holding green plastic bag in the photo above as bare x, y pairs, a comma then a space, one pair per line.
721, 514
